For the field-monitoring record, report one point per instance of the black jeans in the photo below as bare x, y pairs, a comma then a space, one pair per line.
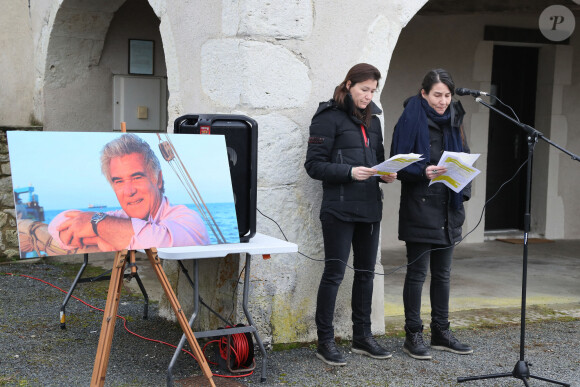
440, 264
338, 237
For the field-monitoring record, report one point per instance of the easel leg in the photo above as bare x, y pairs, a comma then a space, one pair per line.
109, 318
197, 352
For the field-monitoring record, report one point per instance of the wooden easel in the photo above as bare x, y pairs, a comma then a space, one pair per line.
112, 306
110, 315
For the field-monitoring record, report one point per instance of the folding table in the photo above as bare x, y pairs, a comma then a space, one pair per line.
260, 244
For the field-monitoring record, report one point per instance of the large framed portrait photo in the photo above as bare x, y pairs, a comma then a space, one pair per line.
91, 192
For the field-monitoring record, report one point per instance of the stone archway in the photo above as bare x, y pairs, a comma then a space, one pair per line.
87, 45
74, 49
431, 40
469, 56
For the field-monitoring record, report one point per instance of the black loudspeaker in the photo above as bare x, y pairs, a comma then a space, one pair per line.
241, 135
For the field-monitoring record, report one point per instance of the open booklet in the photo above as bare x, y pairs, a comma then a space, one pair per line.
460, 170
396, 163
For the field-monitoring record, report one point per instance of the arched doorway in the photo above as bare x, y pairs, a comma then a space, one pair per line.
431, 40
88, 49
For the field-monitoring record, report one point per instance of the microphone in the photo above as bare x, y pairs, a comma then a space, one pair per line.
464, 91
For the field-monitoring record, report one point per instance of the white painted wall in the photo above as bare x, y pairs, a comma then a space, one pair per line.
16, 63
568, 171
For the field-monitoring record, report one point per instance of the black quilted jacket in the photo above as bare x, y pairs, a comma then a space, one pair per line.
336, 144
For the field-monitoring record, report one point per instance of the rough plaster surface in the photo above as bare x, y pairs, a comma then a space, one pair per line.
16, 83
257, 74
174, 103
381, 32
280, 147
555, 213
279, 19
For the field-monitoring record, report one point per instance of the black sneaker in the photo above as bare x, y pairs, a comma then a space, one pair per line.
414, 345
328, 353
368, 346
442, 339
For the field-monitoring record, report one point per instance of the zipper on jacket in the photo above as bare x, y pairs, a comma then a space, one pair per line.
341, 161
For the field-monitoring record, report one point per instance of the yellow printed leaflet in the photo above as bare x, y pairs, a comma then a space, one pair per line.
403, 160
447, 179
454, 161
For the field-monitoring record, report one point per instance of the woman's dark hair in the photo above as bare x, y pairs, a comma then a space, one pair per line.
436, 76
358, 73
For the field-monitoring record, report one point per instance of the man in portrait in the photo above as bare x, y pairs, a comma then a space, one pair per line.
146, 218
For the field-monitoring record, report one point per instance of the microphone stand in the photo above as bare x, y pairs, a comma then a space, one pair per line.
521, 370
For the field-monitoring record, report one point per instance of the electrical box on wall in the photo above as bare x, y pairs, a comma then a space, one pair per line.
140, 102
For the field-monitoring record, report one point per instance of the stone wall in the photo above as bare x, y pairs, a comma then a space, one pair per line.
17, 75
8, 232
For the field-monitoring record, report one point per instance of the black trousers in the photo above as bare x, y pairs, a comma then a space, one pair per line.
440, 263
338, 238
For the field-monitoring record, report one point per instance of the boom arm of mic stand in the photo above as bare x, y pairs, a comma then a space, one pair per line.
528, 129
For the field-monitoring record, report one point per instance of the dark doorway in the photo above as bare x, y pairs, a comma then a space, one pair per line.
514, 75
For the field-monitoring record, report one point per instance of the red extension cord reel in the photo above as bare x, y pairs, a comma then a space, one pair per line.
236, 352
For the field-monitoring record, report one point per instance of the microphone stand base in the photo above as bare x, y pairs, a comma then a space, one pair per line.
521, 371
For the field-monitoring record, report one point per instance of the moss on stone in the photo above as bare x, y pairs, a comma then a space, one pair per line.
289, 324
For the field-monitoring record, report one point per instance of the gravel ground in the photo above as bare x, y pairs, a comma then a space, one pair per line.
34, 351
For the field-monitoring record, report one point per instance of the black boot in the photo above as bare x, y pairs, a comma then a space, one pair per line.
442, 339
368, 346
328, 353
415, 345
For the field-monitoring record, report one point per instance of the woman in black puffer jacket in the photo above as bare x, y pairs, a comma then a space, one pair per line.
430, 216
345, 142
